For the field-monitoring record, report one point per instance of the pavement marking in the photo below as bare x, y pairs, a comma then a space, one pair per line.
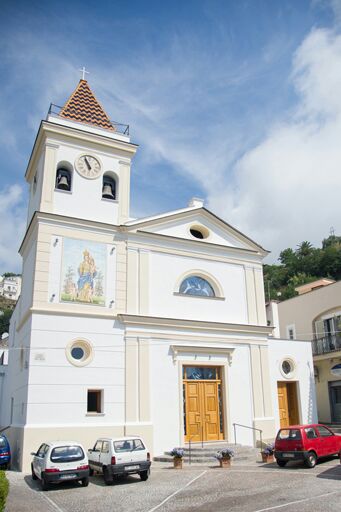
298, 501
54, 505
176, 492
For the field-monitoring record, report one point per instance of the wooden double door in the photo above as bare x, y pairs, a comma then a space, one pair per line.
288, 404
203, 407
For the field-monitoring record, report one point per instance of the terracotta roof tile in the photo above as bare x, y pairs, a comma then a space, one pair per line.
82, 106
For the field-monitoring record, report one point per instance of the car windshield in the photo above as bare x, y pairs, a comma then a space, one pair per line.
67, 454
289, 434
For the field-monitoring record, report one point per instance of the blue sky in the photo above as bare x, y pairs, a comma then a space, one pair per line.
234, 101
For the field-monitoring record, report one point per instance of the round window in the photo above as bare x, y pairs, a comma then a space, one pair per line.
79, 352
199, 232
286, 367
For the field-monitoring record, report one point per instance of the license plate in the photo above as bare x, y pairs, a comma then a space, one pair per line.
130, 468
68, 477
288, 455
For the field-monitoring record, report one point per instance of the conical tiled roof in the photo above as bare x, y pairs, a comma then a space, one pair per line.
82, 106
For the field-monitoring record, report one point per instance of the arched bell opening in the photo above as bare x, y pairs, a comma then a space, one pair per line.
109, 187
64, 177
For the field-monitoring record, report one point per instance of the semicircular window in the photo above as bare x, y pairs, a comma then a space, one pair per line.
195, 285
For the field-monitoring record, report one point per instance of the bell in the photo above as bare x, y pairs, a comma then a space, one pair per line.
63, 183
107, 191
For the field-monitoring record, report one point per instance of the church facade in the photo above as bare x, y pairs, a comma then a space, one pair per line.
152, 326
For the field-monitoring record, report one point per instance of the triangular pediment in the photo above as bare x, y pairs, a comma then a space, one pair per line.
185, 224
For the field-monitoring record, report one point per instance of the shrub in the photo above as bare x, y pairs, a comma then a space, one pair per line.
269, 449
4, 486
225, 453
177, 453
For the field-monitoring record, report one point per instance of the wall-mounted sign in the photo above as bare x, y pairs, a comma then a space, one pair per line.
336, 370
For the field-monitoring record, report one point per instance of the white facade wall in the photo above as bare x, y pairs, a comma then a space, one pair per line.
300, 353
85, 199
166, 274
36, 190
181, 229
167, 393
57, 388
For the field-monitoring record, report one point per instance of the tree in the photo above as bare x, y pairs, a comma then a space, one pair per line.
5, 317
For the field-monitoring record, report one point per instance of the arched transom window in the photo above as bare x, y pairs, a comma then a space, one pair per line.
196, 285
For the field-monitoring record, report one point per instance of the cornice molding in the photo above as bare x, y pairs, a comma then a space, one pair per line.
193, 325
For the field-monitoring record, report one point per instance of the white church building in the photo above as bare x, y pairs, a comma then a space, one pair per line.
152, 326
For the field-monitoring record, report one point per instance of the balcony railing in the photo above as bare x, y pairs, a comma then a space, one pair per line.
329, 343
55, 110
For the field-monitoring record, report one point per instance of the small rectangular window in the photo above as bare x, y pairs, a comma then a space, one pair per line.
291, 332
94, 400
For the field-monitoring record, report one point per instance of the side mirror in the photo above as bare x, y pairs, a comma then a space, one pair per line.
33, 453
90, 450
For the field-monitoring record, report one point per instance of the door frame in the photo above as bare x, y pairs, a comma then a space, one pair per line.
332, 384
295, 384
224, 379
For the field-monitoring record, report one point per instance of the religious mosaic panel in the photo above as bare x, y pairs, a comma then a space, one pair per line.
83, 272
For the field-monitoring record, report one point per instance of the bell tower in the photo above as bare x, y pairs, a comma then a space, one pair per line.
80, 163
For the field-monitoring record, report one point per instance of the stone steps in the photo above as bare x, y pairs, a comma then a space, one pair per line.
206, 455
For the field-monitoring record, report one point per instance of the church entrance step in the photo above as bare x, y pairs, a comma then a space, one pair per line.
207, 454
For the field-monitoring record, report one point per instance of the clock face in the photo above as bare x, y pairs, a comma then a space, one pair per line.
88, 166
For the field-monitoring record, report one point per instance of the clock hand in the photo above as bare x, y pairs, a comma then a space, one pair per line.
87, 163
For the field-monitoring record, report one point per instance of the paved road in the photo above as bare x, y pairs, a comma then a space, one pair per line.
253, 488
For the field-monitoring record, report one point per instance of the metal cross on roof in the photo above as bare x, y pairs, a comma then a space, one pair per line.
83, 70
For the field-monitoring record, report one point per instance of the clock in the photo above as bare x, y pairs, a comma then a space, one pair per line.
88, 166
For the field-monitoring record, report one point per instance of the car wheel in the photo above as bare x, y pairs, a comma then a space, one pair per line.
44, 484
85, 482
34, 476
108, 478
311, 460
144, 475
281, 463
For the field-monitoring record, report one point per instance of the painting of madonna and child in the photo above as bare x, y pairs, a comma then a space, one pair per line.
83, 272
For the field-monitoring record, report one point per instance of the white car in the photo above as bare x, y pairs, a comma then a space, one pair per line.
119, 457
59, 461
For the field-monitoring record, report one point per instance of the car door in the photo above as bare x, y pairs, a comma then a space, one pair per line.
312, 441
39, 459
327, 441
104, 455
139, 452
94, 455
123, 450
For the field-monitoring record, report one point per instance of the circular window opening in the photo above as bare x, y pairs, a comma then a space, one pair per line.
286, 367
199, 232
79, 352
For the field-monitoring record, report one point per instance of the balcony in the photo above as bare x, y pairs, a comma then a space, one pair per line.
120, 128
329, 343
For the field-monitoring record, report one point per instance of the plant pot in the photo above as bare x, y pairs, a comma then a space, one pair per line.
267, 458
177, 462
225, 463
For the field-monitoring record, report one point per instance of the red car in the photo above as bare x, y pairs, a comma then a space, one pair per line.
307, 443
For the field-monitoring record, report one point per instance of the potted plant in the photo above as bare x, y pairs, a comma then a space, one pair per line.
268, 453
224, 456
177, 454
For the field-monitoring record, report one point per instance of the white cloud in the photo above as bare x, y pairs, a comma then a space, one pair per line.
13, 221
287, 188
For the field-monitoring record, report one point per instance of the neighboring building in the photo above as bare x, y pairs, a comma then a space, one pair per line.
152, 326
10, 287
316, 315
